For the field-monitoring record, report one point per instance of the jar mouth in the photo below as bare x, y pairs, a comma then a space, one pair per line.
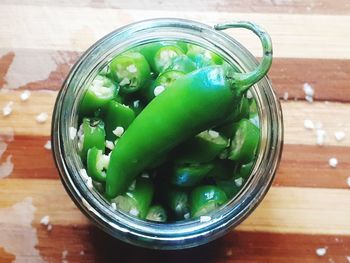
180, 234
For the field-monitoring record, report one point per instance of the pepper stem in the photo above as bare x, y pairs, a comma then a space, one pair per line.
243, 81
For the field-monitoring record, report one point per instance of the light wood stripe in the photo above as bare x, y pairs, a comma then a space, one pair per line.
291, 6
284, 210
330, 80
23, 117
301, 165
318, 36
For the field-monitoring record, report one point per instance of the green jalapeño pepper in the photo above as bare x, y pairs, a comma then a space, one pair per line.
198, 101
157, 213
177, 200
118, 118
205, 199
131, 71
189, 175
137, 200
245, 142
182, 63
97, 164
100, 92
91, 134
164, 57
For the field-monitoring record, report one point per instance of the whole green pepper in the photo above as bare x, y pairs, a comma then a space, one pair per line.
192, 104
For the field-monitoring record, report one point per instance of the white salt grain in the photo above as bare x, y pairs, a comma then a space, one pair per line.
114, 206
64, 254
187, 215
49, 227
333, 162
321, 251
239, 182
249, 95
132, 186
118, 131
134, 212
42, 117
348, 258
84, 174
204, 219
89, 183
308, 124
82, 253
25, 95
158, 90
109, 145
136, 103
309, 99
45, 220
7, 110
308, 89
339, 135
348, 181
213, 134
72, 133
145, 175
285, 96
47, 145
320, 137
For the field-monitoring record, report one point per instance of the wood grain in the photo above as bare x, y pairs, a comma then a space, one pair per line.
330, 80
301, 165
284, 210
24, 123
90, 24
291, 6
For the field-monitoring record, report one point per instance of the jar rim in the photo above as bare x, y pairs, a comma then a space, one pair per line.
181, 234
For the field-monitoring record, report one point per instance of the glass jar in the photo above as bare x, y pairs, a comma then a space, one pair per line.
181, 234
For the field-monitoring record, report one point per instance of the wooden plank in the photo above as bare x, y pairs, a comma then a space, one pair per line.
328, 31
292, 6
330, 80
332, 115
307, 166
284, 210
301, 165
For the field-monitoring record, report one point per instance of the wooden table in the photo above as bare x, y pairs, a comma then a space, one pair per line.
308, 206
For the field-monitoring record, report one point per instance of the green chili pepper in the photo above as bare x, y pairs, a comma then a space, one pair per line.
118, 118
223, 169
245, 170
245, 142
194, 103
203, 57
189, 175
100, 92
203, 148
205, 199
231, 187
177, 200
130, 70
137, 200
253, 114
163, 81
97, 164
91, 134
182, 63
157, 213
164, 57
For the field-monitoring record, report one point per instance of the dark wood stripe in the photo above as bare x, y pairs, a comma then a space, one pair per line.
328, 77
244, 246
301, 165
261, 6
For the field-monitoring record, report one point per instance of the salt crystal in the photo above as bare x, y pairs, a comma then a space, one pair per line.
308, 124
239, 182
42, 117
348, 181
249, 95
114, 206
348, 258
321, 251
308, 89
109, 145
132, 186
45, 220
320, 137
333, 162
89, 183
187, 215
7, 110
145, 175
134, 212
47, 145
64, 254
339, 135
285, 96
49, 227
118, 131
82, 253
158, 90
72, 133
213, 134
6, 167
25, 95
131, 68
309, 99
136, 103
84, 174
